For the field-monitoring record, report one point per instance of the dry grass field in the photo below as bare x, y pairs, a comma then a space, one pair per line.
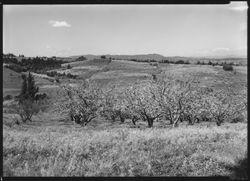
52, 145
68, 150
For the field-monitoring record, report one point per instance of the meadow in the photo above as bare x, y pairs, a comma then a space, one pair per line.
53, 145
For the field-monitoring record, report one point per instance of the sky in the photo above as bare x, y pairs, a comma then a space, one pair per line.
169, 30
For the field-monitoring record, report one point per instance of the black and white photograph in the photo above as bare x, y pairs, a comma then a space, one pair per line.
124, 90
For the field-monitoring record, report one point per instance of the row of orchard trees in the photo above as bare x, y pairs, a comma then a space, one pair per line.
163, 99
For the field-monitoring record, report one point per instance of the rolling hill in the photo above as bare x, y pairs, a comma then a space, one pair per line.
123, 57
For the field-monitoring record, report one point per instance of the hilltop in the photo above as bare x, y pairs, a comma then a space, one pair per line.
124, 57
158, 58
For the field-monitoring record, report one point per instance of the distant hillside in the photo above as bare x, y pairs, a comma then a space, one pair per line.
242, 61
159, 57
139, 57
122, 57
142, 57
88, 57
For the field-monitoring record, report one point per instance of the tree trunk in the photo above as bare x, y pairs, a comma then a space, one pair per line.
150, 122
175, 124
122, 118
171, 117
133, 121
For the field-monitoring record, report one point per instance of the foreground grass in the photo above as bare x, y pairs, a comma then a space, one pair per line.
183, 151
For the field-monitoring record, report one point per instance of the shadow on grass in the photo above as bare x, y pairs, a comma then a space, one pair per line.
240, 170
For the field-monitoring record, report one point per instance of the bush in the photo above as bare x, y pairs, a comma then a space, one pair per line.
27, 109
68, 66
238, 119
81, 58
153, 63
7, 97
227, 67
165, 61
56, 74
180, 62
40, 96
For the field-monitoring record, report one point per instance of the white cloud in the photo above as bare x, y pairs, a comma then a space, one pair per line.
54, 23
238, 6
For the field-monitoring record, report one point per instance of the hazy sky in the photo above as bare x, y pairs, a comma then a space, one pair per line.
170, 30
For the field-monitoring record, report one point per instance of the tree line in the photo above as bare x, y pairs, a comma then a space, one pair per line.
36, 64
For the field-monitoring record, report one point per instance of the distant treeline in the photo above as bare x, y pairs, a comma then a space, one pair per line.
162, 61
56, 74
217, 63
213, 63
36, 64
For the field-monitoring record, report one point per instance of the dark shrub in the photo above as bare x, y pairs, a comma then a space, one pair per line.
81, 58
27, 109
179, 62
165, 61
7, 97
154, 77
68, 66
227, 67
40, 96
153, 63
105, 69
238, 119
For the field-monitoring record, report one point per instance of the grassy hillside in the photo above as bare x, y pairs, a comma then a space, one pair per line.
12, 82
74, 151
52, 145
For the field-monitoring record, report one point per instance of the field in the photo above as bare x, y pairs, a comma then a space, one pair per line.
52, 145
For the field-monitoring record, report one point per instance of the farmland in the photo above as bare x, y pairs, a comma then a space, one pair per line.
53, 145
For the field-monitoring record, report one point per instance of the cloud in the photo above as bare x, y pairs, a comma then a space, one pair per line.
56, 24
238, 6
